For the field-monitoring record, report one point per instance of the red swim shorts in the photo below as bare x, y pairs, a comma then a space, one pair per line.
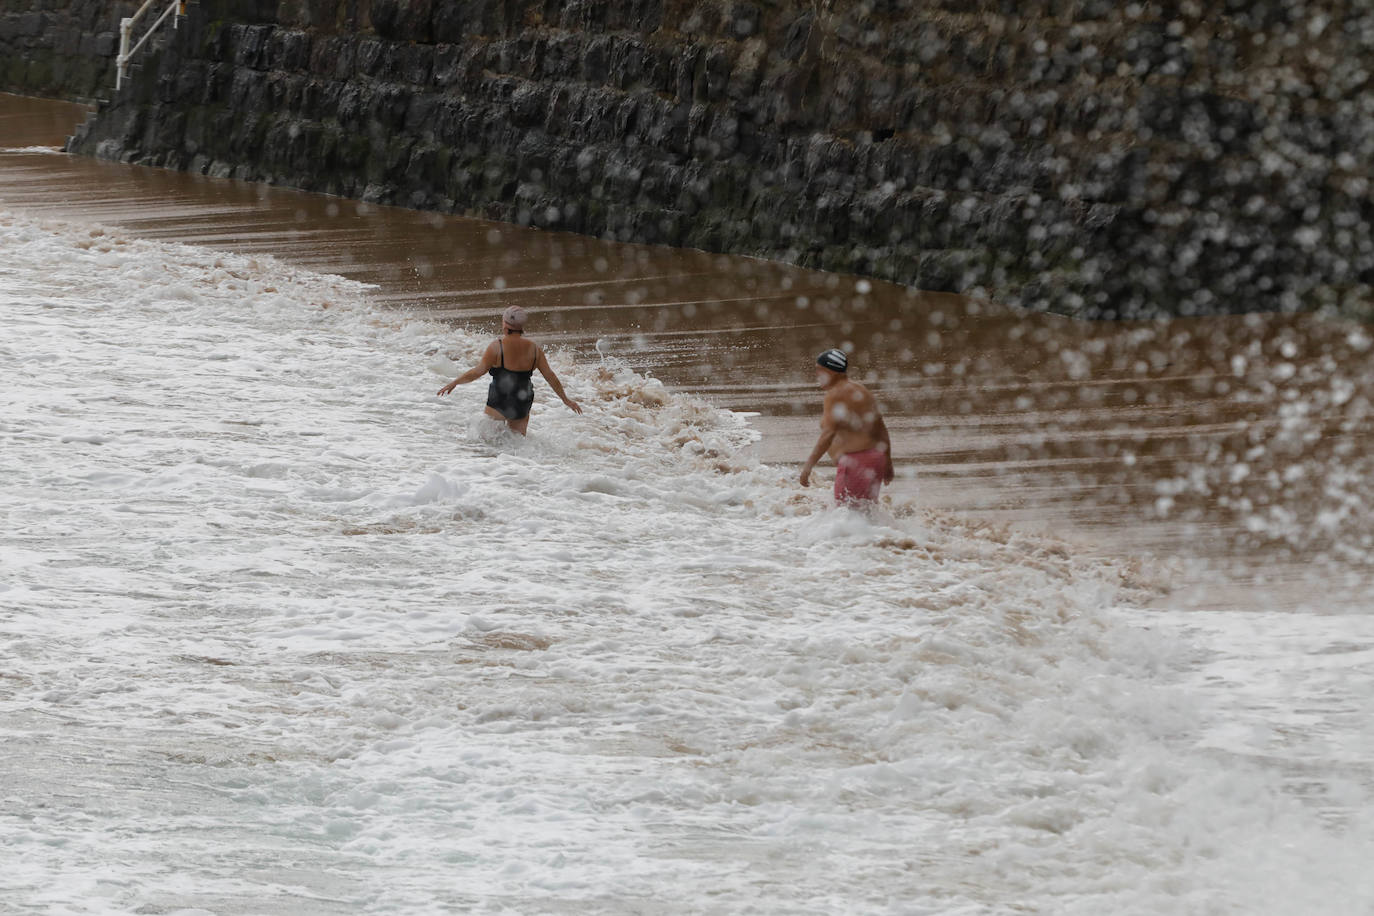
860, 476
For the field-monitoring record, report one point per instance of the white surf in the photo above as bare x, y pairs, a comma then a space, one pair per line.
286, 633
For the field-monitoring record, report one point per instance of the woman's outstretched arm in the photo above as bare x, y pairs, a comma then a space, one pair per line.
547, 371
476, 372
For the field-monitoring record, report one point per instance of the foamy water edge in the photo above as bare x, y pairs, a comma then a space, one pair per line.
288, 633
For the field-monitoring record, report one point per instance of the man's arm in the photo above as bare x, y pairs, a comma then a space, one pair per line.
823, 443
476, 372
547, 371
884, 443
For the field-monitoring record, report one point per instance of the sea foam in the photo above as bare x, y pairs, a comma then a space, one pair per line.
288, 633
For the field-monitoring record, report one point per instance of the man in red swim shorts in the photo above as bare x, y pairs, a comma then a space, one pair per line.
852, 432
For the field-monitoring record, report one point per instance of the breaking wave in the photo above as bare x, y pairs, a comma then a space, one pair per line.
287, 630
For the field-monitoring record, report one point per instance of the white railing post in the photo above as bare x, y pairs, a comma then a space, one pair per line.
126, 31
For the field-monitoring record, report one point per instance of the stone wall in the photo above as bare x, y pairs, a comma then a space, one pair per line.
60, 49
1089, 157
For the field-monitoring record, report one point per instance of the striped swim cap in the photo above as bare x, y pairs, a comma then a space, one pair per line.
833, 359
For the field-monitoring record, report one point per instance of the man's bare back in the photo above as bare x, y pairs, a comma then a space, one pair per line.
852, 433
853, 413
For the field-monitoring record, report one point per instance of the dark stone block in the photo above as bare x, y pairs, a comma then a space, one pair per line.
217, 43
31, 24
250, 44
449, 23
422, 115
458, 20
412, 64
797, 37
405, 20
65, 42
718, 65
386, 108
247, 11
528, 104
744, 20
369, 57
686, 68
103, 44
190, 82
334, 58
287, 51
596, 60
247, 90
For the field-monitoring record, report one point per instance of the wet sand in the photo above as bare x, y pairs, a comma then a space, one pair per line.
1164, 438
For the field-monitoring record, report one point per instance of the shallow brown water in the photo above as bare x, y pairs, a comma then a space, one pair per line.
1237, 444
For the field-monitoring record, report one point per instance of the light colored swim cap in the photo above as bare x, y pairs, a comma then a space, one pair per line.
515, 317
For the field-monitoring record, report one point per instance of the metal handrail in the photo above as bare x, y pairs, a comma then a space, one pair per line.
126, 31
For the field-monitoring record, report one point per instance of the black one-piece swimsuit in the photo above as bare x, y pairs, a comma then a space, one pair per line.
511, 393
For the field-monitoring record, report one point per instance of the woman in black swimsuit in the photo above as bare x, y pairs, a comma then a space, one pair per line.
511, 392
